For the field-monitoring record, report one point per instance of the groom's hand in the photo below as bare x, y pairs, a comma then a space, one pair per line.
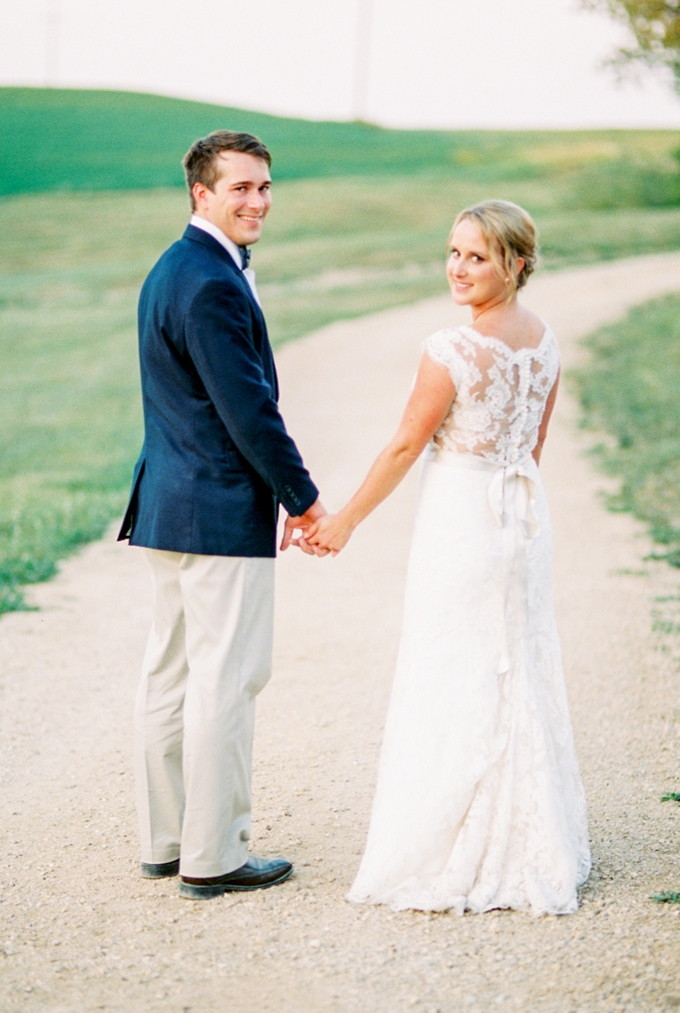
293, 524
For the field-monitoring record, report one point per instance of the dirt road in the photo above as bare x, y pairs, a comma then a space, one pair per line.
81, 932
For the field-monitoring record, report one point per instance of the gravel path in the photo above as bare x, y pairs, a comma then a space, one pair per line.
81, 932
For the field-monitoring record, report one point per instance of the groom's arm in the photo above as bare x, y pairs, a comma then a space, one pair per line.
218, 336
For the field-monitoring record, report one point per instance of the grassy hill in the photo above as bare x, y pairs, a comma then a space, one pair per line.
67, 139
105, 140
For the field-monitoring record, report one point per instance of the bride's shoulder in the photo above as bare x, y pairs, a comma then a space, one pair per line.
549, 343
448, 339
447, 348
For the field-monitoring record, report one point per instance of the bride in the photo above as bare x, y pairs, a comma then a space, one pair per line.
479, 803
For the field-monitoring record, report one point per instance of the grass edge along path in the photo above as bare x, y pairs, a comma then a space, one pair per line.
628, 390
36, 540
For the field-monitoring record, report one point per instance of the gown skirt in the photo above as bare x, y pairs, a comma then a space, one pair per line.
479, 802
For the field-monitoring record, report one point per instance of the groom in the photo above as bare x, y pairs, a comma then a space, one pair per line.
215, 464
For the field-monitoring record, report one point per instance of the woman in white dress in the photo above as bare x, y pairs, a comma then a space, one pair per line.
479, 803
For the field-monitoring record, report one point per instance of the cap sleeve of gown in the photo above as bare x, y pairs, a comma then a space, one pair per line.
442, 347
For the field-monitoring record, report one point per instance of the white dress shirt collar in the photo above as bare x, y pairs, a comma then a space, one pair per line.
212, 230
231, 247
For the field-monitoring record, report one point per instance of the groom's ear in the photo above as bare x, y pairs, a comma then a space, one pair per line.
198, 192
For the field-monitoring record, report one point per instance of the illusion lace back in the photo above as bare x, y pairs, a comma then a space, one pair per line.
479, 802
500, 393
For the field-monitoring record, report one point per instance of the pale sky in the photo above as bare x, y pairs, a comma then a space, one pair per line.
431, 63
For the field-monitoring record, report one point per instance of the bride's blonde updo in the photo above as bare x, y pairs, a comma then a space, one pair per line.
509, 232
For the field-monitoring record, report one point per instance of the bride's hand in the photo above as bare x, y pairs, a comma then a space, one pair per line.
331, 533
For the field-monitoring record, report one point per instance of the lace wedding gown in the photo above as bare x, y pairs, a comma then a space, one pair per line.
479, 802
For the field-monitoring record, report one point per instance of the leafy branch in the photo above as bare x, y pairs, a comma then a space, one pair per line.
655, 29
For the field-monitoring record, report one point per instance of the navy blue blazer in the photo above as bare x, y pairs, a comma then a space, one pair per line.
216, 459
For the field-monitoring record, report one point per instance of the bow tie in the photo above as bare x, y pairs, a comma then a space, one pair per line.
245, 257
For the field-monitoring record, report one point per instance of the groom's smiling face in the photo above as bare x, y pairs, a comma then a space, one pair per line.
241, 197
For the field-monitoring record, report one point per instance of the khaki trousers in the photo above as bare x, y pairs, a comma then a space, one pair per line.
208, 655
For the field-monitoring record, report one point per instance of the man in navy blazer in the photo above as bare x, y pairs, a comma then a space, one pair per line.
215, 464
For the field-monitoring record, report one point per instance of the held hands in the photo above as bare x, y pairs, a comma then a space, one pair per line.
329, 534
321, 533
303, 523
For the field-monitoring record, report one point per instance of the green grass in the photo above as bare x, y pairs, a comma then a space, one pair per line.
61, 139
629, 390
667, 897
360, 219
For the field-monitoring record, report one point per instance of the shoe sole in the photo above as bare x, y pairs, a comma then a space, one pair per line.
164, 870
193, 892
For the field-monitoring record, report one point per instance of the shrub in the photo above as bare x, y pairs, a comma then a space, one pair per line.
622, 183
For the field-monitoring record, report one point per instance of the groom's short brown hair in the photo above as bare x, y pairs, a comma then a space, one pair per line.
200, 162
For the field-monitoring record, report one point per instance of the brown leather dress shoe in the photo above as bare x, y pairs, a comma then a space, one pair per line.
256, 874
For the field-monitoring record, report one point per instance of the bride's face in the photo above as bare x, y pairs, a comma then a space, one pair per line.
474, 275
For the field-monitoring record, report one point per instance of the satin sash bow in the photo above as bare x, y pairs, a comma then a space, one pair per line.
511, 485
515, 478
511, 490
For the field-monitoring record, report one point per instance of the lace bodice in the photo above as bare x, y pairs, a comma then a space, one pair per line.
500, 393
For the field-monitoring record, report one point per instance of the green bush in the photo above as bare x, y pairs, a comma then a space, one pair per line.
626, 183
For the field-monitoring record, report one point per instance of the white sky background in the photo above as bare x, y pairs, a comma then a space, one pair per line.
433, 63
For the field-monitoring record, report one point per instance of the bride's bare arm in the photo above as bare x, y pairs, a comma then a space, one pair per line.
545, 421
432, 396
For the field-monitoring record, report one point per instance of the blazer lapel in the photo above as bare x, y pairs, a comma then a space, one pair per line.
199, 236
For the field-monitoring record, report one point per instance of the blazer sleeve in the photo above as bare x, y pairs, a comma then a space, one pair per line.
218, 332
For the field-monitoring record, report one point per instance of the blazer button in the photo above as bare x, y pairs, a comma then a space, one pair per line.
245, 835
